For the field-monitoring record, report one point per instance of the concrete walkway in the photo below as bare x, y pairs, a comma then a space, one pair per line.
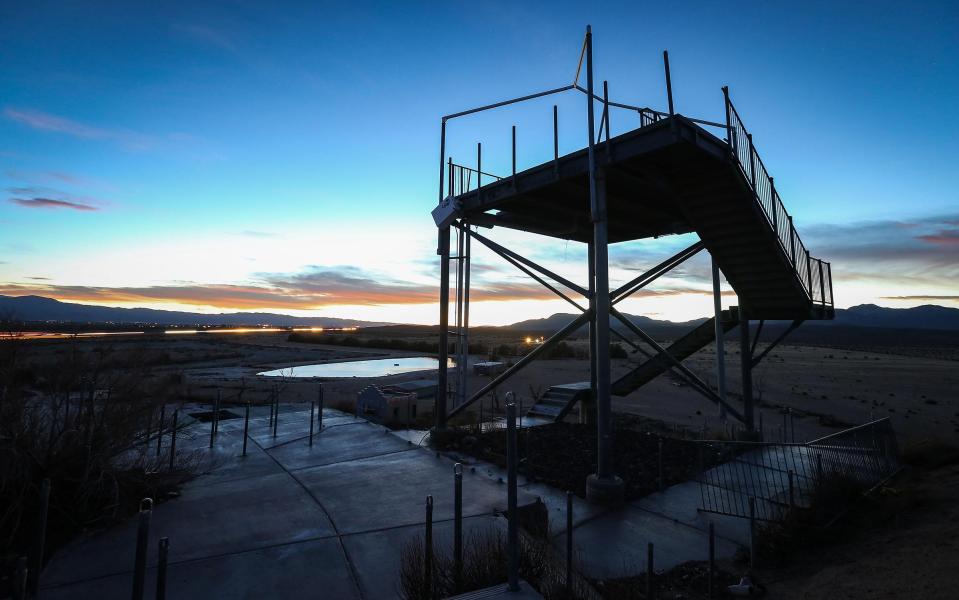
288, 520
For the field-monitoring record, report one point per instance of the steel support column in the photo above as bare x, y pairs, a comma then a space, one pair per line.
746, 360
588, 414
720, 346
439, 410
603, 486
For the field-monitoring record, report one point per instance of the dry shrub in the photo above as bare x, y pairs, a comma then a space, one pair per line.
485, 564
80, 423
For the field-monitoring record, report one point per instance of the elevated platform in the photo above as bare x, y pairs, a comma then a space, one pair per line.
671, 177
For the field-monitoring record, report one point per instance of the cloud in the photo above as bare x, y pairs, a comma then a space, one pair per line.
42, 121
52, 203
945, 237
43, 197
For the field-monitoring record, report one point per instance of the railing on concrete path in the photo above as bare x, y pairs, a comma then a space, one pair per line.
780, 476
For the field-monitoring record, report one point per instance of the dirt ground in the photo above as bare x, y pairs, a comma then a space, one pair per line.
910, 550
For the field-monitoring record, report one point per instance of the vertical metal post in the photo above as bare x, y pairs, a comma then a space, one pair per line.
752, 163
809, 274
606, 114
164, 551
514, 157
512, 540
276, 410
467, 243
569, 543
176, 414
712, 559
40, 540
775, 207
669, 82
428, 558
556, 139
588, 414
458, 525
319, 413
829, 271
650, 574
822, 286
792, 240
720, 342
246, 426
212, 424
160, 429
731, 139
603, 487
140, 559
747, 369
752, 532
216, 413
312, 412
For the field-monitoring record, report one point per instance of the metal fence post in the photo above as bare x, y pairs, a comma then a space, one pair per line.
176, 414
160, 428
428, 557
312, 411
140, 558
246, 426
650, 588
458, 525
512, 531
40, 542
569, 544
276, 410
712, 559
319, 416
752, 532
163, 551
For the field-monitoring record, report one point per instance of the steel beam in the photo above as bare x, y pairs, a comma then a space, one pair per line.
637, 283
792, 327
502, 250
688, 375
444, 252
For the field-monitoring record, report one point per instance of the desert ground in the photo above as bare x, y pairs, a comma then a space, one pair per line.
824, 389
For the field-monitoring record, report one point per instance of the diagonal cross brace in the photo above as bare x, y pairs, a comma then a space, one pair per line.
691, 377
792, 327
502, 377
631, 287
504, 252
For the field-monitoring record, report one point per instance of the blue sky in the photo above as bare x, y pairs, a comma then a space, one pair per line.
241, 155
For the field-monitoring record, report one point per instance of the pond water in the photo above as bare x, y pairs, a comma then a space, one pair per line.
360, 368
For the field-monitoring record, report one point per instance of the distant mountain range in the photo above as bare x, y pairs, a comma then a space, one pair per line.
928, 316
38, 309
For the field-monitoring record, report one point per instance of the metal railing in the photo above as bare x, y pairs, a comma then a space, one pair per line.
814, 274
780, 476
463, 179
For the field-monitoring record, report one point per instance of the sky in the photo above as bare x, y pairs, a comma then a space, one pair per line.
283, 157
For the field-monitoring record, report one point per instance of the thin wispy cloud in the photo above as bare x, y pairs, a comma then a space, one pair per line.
48, 198
43, 121
50, 203
207, 35
258, 234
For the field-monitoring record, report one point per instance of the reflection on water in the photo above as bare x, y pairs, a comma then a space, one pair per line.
361, 368
51, 335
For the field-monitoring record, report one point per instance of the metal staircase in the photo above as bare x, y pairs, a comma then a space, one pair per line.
559, 400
